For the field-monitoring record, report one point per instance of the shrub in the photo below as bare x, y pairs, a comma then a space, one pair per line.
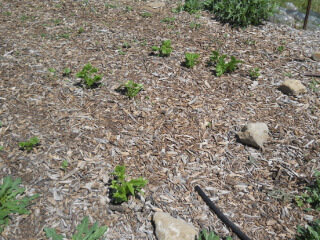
241, 13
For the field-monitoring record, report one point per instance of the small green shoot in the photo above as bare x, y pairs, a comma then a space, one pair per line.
9, 190
126, 45
1, 148
193, 6
204, 235
52, 70
280, 49
64, 165
110, 5
195, 25
312, 232
165, 49
168, 20
314, 85
178, 9
254, 73
66, 72
80, 30
87, 75
129, 8
288, 74
312, 195
221, 65
130, 88
146, 15
29, 145
191, 59
83, 233
122, 188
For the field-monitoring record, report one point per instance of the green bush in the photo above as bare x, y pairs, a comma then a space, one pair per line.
193, 6
241, 13
312, 232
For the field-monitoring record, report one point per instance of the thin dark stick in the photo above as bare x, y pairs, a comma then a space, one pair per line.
312, 75
223, 218
307, 15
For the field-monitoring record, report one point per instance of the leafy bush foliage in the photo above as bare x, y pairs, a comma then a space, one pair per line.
84, 232
123, 188
8, 202
193, 6
241, 13
312, 232
87, 75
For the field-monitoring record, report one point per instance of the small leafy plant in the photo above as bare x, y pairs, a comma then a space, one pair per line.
122, 188
168, 20
254, 73
29, 145
165, 49
191, 59
66, 72
87, 75
204, 235
130, 88
84, 232
312, 232
221, 65
64, 164
314, 85
312, 196
8, 202
146, 15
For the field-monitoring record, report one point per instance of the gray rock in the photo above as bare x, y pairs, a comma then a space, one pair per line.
282, 19
316, 56
254, 134
170, 228
292, 87
291, 6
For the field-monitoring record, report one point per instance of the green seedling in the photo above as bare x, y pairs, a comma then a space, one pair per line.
221, 65
9, 190
83, 231
204, 235
146, 14
80, 30
165, 49
254, 73
1, 148
178, 9
110, 6
52, 70
280, 48
130, 88
126, 45
129, 8
195, 25
312, 232
314, 85
312, 195
29, 145
191, 59
122, 188
64, 165
289, 74
87, 74
63, 35
168, 20
66, 72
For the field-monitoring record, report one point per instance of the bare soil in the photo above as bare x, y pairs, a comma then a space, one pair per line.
181, 131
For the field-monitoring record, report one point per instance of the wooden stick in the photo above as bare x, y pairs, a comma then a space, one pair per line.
312, 75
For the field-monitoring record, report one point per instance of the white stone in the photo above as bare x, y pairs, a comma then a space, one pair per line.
254, 134
290, 6
170, 228
292, 87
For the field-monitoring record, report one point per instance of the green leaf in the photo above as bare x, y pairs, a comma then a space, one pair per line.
52, 233
86, 233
